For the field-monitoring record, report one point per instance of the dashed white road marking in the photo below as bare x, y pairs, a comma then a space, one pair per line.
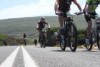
10, 59
28, 59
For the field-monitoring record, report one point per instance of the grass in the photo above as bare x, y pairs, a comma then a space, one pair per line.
3, 36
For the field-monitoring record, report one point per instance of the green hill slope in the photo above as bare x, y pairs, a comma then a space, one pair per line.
17, 26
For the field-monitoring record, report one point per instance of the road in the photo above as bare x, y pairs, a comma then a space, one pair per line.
31, 56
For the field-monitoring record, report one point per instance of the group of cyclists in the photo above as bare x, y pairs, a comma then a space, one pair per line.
25, 40
61, 6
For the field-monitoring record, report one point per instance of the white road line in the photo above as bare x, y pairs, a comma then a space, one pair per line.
10, 59
28, 59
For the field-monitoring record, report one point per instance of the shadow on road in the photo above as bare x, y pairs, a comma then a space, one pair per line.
75, 51
92, 51
61, 51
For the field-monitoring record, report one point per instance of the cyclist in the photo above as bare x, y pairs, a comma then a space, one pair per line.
62, 6
89, 13
41, 25
24, 36
35, 42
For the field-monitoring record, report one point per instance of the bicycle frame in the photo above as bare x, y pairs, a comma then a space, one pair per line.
43, 32
67, 15
68, 32
68, 20
43, 37
25, 41
97, 23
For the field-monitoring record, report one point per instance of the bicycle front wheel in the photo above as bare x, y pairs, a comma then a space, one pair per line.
41, 41
72, 33
25, 42
62, 43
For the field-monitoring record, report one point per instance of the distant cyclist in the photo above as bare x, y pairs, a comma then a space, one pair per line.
62, 6
24, 38
89, 11
41, 25
35, 42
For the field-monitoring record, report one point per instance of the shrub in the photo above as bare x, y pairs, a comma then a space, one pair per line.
81, 31
81, 37
52, 40
2, 39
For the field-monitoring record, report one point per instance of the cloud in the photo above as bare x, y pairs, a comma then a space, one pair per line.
98, 10
41, 8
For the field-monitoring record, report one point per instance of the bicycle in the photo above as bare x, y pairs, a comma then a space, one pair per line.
35, 42
94, 34
25, 41
68, 35
42, 38
98, 32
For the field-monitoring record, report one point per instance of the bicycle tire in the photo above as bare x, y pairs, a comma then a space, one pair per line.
98, 41
25, 43
90, 45
72, 33
62, 44
42, 41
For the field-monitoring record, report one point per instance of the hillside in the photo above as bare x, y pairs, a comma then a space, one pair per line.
17, 26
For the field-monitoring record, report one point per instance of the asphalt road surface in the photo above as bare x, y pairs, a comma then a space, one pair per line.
31, 56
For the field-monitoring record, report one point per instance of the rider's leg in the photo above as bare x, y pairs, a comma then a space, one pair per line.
60, 18
55, 7
89, 29
45, 34
89, 22
39, 34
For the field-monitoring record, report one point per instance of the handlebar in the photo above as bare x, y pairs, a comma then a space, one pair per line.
79, 13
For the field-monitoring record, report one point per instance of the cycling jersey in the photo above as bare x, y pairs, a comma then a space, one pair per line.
93, 4
64, 5
24, 36
41, 25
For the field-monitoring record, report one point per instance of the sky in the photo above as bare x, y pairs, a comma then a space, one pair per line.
31, 8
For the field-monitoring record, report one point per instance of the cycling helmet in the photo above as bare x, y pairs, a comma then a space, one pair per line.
42, 18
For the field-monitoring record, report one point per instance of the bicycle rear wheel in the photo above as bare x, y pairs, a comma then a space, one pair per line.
90, 45
41, 42
72, 33
25, 42
44, 43
98, 40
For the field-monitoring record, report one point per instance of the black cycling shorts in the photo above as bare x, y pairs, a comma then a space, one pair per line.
90, 16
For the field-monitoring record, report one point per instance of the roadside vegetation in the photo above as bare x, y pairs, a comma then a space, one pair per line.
53, 42
15, 27
6, 40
